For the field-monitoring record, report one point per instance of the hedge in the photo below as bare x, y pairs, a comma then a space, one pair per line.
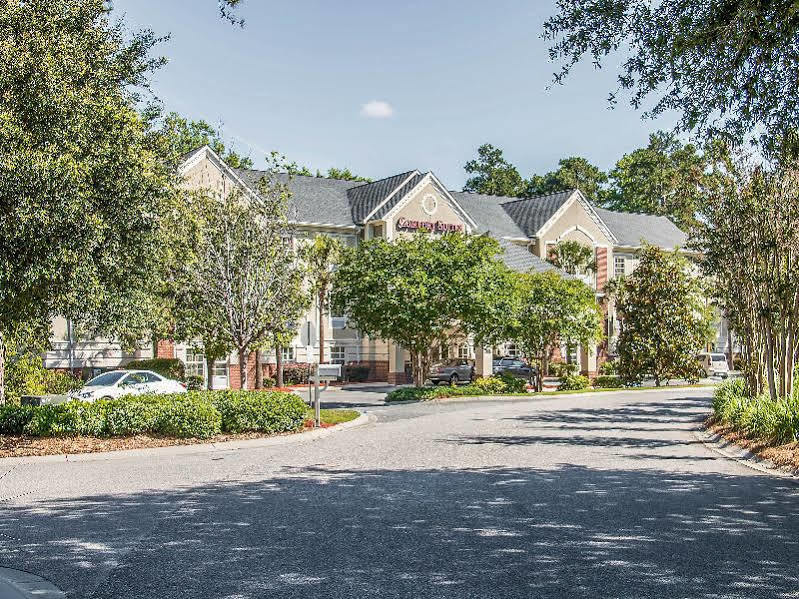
573, 382
608, 381
172, 368
198, 414
495, 385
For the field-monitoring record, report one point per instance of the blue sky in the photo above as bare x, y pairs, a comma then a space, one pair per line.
383, 87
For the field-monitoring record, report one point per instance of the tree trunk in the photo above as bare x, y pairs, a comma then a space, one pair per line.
209, 372
772, 387
259, 373
279, 360
243, 367
321, 328
731, 358
2, 370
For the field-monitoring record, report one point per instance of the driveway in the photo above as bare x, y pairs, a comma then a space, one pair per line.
602, 496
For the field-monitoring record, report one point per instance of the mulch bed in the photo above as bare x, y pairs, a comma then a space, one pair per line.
785, 456
13, 446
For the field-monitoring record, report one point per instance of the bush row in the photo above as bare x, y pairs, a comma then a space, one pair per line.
494, 385
757, 417
199, 414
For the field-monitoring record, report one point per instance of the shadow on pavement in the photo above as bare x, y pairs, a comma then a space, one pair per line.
495, 532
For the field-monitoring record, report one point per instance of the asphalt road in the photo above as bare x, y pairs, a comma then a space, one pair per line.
606, 496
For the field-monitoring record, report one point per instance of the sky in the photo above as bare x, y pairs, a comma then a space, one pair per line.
383, 87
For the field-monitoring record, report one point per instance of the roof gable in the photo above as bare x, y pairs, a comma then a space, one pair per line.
367, 198
531, 214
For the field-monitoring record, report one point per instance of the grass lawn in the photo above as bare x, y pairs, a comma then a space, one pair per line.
331, 417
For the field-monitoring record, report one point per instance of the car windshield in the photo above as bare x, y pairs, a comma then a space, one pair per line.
105, 379
719, 358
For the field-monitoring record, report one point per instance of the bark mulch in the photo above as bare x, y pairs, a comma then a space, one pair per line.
785, 456
13, 446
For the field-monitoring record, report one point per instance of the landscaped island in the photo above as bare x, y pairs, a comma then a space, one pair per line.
766, 426
154, 420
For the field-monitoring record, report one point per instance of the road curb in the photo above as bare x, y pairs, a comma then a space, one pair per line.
16, 584
743, 456
197, 448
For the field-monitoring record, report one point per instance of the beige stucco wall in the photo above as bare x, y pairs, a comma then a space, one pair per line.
413, 210
588, 233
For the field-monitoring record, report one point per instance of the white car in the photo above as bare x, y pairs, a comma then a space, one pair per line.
713, 364
117, 383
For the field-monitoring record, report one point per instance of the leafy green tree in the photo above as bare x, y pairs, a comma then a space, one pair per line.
748, 236
548, 307
420, 291
665, 318
493, 175
345, 174
723, 64
573, 257
81, 185
177, 136
320, 257
247, 280
572, 173
665, 178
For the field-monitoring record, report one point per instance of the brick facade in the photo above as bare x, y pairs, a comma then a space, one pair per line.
601, 268
165, 349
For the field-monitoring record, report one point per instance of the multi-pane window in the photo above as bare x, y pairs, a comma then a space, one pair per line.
463, 351
338, 354
511, 350
287, 353
195, 362
619, 264
220, 368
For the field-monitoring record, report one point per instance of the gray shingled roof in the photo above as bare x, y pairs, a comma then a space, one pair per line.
401, 193
364, 198
314, 199
530, 214
488, 213
630, 228
520, 259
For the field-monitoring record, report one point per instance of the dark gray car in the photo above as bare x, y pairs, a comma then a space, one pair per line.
513, 366
453, 372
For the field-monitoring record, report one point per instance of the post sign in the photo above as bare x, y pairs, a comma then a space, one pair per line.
405, 224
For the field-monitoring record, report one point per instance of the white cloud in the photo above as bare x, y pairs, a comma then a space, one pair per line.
377, 109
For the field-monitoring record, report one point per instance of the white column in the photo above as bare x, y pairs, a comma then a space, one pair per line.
483, 361
588, 360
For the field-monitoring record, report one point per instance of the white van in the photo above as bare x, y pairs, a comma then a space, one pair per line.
713, 364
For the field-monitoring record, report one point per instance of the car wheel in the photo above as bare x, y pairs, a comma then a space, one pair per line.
453, 380
107, 398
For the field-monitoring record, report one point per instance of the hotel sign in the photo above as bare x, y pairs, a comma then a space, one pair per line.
404, 224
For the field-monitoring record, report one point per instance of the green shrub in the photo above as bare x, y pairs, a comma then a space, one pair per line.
195, 382
295, 374
562, 369
757, 417
171, 368
608, 381
199, 414
609, 368
14, 418
490, 385
512, 384
268, 382
573, 382
263, 411
187, 415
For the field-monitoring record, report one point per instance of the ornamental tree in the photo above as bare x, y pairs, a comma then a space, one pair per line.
247, 282
665, 318
422, 290
320, 257
573, 257
81, 187
749, 240
548, 307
